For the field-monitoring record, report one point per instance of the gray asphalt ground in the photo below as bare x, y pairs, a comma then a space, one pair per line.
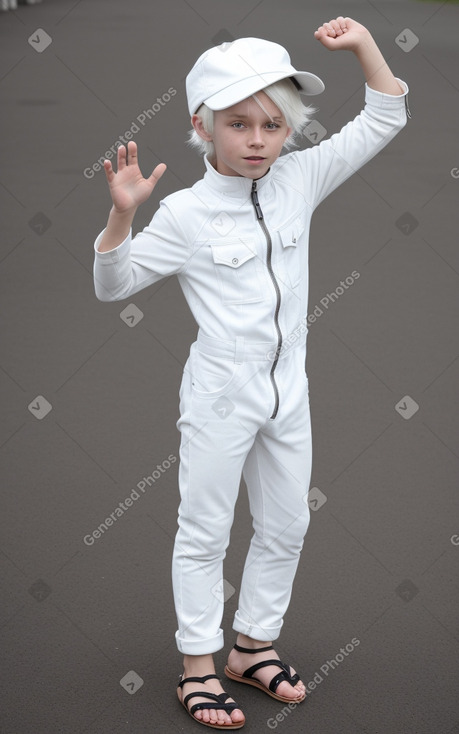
90, 391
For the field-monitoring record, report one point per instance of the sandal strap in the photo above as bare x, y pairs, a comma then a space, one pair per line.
252, 651
218, 698
195, 679
284, 674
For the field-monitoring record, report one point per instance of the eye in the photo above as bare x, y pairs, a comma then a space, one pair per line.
272, 125
237, 125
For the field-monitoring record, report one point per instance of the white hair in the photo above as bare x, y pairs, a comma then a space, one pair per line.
285, 96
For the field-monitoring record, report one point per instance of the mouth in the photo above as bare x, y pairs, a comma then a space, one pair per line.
255, 159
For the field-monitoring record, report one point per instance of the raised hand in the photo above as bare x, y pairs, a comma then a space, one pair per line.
128, 188
342, 34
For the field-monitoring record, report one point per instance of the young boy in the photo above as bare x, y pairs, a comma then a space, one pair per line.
238, 243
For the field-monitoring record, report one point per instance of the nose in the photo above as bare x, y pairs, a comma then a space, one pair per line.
256, 138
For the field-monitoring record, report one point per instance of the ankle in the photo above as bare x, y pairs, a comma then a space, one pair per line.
250, 643
198, 665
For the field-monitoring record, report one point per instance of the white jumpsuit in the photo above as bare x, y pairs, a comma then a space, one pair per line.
240, 251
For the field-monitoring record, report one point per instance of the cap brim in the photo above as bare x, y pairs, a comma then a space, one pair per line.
309, 84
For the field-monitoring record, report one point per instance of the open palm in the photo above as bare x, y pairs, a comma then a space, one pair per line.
128, 188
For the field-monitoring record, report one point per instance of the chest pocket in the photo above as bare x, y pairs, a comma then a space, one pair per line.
237, 272
290, 236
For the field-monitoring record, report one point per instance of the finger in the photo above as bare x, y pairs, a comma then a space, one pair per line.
336, 27
121, 157
320, 32
109, 174
157, 173
331, 31
131, 152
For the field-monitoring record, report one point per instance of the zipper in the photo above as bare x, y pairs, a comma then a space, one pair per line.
261, 222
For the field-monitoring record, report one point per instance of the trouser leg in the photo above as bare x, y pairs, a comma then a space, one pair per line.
212, 453
277, 473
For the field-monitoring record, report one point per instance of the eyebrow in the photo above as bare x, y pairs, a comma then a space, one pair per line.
245, 117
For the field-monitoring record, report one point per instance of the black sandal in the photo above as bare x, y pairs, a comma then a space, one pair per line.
218, 698
247, 676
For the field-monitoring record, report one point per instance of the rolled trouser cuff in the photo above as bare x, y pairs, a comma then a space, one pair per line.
251, 629
204, 646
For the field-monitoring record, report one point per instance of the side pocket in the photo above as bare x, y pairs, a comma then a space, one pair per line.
211, 376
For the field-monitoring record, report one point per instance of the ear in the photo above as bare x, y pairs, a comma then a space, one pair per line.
288, 133
199, 127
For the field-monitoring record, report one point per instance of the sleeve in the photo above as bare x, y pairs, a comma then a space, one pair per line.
160, 250
334, 160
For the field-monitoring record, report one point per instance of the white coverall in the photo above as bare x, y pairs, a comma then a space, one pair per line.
240, 251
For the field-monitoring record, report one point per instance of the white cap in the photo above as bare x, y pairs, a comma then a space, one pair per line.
227, 74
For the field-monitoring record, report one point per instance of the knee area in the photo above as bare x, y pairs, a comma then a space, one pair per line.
289, 536
298, 528
203, 539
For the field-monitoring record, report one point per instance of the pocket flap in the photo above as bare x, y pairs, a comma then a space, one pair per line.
292, 232
233, 254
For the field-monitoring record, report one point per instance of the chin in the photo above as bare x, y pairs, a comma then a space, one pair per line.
254, 175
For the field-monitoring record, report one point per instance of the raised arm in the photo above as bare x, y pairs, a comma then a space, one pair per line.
345, 34
328, 164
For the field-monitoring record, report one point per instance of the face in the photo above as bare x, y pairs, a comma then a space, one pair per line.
247, 138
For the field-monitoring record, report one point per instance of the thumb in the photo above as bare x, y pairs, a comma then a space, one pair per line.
157, 173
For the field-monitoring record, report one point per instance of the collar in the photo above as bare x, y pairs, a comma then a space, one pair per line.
232, 185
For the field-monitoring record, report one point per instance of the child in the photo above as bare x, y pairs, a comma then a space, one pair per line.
238, 243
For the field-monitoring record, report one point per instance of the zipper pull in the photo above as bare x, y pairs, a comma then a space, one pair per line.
255, 201
408, 112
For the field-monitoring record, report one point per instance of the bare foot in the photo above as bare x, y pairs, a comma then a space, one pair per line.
238, 662
209, 716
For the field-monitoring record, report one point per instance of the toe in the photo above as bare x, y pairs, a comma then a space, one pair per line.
237, 716
292, 692
219, 717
